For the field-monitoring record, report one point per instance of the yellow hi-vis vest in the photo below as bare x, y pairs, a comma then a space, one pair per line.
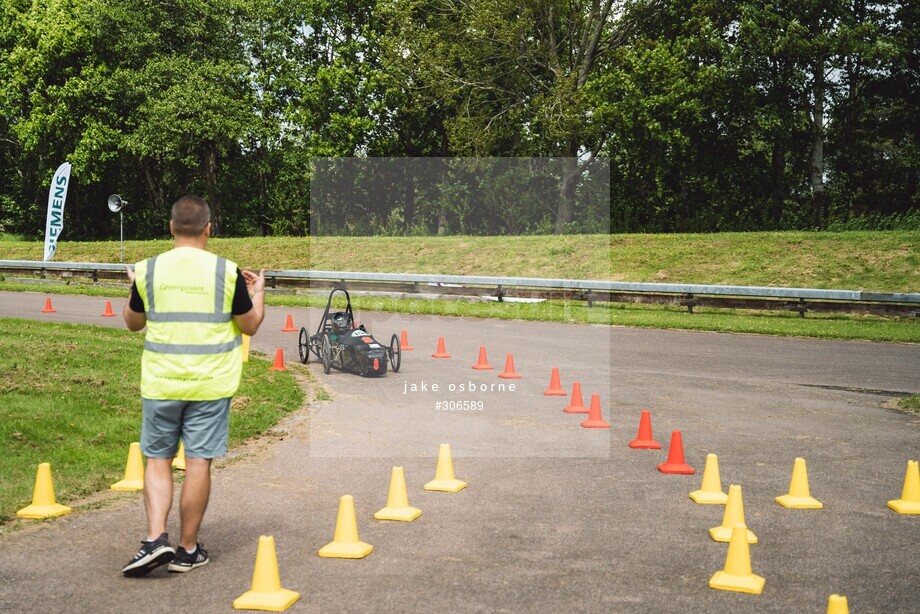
192, 349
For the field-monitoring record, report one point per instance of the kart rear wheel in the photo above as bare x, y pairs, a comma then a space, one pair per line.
327, 355
395, 353
303, 346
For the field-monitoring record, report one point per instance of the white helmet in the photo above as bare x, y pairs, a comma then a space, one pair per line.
339, 320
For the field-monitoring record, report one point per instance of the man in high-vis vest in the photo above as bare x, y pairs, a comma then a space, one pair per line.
196, 306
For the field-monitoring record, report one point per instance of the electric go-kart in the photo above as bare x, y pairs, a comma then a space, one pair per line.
338, 343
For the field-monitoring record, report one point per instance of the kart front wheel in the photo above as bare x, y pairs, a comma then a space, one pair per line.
395, 353
327, 355
303, 346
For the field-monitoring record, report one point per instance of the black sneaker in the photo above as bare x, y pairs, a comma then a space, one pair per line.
184, 561
149, 557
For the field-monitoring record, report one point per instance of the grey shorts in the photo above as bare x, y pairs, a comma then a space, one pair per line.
203, 426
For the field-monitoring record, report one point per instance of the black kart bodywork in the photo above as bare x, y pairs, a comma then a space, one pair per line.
339, 344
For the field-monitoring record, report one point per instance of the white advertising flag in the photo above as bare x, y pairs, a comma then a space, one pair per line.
56, 197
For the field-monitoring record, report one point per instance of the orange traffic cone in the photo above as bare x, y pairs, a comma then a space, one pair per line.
289, 326
577, 406
441, 351
509, 368
48, 308
644, 440
108, 313
595, 421
555, 386
675, 463
482, 364
279, 361
404, 342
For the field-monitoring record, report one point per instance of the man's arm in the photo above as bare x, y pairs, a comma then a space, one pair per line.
250, 321
134, 320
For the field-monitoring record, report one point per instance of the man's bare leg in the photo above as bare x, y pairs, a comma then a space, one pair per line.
158, 493
158, 490
196, 490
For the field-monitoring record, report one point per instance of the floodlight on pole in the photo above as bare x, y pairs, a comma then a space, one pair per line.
116, 204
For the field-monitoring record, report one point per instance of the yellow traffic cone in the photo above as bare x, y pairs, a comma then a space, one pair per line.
799, 496
266, 593
909, 503
444, 474
43, 503
179, 460
398, 507
134, 470
245, 347
737, 575
734, 515
345, 543
711, 491
837, 604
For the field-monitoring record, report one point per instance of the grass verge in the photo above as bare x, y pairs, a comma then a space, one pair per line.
881, 261
820, 326
69, 397
911, 403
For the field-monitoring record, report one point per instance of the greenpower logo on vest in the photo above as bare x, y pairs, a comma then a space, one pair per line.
183, 288
54, 223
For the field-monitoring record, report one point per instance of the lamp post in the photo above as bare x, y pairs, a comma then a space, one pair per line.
116, 203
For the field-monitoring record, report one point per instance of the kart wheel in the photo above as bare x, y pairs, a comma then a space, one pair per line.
327, 355
303, 346
395, 353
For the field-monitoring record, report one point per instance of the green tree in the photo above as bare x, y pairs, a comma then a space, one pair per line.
185, 79
874, 124
517, 75
131, 94
274, 35
714, 114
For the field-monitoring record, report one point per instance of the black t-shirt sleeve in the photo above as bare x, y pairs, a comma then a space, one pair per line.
134, 301
241, 301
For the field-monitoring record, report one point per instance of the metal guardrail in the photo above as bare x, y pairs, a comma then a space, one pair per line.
687, 295
611, 286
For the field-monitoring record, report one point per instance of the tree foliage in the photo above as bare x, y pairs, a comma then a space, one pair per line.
713, 115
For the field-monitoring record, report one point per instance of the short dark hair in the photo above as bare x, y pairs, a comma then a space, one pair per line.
190, 215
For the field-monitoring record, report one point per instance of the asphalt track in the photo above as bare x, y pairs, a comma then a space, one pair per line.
555, 517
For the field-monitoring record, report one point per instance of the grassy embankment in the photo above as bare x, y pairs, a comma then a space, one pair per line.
879, 261
69, 397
